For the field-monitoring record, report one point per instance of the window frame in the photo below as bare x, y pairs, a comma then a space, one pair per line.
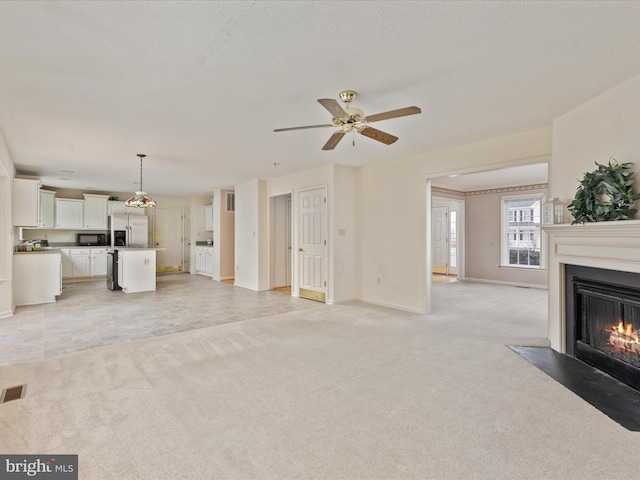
505, 232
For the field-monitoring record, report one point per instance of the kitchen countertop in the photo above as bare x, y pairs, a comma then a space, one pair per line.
138, 249
50, 250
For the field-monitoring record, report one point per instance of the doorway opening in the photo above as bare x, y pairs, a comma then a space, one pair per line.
169, 235
453, 190
446, 236
281, 241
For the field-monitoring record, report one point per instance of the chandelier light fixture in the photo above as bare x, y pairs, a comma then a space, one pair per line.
140, 199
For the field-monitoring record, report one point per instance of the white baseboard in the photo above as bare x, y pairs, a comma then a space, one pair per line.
512, 284
395, 306
346, 300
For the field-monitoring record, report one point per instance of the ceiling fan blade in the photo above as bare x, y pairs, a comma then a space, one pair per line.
401, 112
378, 135
334, 139
333, 106
303, 128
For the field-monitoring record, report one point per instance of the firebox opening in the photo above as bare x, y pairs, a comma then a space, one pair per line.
603, 320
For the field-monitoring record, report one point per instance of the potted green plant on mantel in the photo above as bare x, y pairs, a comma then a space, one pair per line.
605, 195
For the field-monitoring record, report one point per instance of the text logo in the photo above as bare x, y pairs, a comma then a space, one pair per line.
49, 467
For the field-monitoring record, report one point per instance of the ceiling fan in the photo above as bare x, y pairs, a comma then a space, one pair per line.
351, 119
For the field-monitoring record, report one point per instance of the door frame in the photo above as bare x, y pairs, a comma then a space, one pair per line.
289, 240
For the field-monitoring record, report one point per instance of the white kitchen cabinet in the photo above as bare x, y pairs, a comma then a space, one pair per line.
80, 262
26, 201
200, 254
99, 258
95, 211
119, 208
115, 208
137, 269
205, 261
46, 213
69, 214
67, 269
88, 262
208, 218
37, 277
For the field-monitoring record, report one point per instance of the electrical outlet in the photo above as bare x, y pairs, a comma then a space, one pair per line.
379, 280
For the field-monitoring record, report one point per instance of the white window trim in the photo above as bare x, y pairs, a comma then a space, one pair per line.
504, 247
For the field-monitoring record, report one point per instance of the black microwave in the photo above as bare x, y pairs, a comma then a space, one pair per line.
90, 239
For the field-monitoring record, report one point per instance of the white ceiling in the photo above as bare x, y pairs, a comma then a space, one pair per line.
200, 86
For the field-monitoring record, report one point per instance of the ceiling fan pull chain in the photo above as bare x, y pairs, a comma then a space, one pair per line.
353, 142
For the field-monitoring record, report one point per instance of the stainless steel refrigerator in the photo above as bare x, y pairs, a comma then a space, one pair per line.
129, 231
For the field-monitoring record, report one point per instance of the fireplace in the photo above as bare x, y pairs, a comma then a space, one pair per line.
603, 320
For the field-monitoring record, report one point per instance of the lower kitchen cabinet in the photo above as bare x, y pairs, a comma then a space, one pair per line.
88, 262
205, 261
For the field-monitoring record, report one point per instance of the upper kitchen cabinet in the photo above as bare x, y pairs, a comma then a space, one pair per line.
46, 215
119, 208
95, 211
26, 201
208, 218
69, 214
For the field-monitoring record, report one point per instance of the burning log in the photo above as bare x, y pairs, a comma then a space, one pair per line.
624, 337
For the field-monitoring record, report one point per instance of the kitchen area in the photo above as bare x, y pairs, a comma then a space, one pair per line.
70, 239
95, 237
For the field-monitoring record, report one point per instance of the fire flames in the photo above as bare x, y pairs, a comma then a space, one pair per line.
624, 337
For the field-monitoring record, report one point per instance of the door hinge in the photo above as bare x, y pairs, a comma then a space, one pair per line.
325, 284
325, 199
325, 242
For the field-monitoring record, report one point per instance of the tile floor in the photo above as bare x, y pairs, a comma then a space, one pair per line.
88, 315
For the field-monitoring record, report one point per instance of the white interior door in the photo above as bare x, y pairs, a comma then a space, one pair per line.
313, 244
439, 239
169, 236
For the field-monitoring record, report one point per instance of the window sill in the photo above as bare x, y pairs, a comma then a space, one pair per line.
521, 267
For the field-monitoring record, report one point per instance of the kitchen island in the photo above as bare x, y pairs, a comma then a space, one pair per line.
136, 269
37, 277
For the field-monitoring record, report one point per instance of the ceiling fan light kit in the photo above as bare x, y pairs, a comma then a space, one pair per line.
140, 198
350, 119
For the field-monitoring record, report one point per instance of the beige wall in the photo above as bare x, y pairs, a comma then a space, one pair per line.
392, 212
251, 235
342, 185
605, 126
483, 232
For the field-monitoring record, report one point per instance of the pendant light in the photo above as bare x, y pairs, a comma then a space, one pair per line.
140, 199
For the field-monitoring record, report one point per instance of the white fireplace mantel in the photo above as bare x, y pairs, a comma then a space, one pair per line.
609, 245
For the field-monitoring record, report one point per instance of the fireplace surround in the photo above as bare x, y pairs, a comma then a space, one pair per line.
604, 245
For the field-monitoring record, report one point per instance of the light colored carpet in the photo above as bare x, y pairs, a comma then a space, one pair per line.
346, 391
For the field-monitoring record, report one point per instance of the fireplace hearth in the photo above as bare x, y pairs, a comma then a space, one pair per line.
603, 320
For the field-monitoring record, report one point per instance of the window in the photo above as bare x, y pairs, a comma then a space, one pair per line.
521, 235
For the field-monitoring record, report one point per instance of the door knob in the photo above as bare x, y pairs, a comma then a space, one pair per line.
300, 250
